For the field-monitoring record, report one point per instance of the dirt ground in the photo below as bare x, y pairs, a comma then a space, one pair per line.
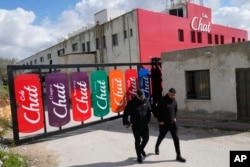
38, 155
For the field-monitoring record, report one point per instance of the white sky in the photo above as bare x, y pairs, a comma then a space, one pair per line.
21, 35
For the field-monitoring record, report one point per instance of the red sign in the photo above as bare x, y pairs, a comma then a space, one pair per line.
80, 96
28, 94
131, 79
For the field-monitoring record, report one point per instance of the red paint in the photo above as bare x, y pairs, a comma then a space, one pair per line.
28, 96
158, 32
131, 79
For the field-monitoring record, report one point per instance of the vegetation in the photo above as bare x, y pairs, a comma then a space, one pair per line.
12, 160
3, 69
4, 93
7, 158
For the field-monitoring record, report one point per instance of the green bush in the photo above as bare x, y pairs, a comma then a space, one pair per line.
4, 92
12, 160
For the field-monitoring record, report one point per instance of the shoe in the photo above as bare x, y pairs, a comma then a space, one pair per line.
180, 159
143, 153
157, 152
139, 160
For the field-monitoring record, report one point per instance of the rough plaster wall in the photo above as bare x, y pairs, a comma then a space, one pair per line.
127, 49
221, 61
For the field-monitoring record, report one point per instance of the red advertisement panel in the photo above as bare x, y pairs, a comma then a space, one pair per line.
117, 90
131, 79
80, 96
28, 94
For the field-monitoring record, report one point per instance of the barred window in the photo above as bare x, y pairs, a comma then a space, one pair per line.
104, 42
125, 34
115, 40
199, 37
192, 37
88, 46
60, 52
180, 35
75, 47
198, 85
209, 38
48, 56
131, 32
97, 43
83, 47
216, 38
41, 59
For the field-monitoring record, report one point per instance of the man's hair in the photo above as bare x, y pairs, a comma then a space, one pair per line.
140, 92
172, 90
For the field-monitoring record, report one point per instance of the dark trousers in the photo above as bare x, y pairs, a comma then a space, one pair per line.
163, 129
141, 136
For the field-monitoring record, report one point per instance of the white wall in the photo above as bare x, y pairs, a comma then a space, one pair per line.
126, 51
221, 61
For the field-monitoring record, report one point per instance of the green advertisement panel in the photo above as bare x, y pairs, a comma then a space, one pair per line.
100, 94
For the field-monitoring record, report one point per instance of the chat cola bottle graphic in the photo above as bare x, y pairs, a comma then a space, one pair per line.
100, 94
28, 97
57, 97
117, 90
80, 96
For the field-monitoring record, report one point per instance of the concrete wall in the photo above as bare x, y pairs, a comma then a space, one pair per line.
126, 51
221, 61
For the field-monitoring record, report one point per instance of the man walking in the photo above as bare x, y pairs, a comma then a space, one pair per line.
167, 111
139, 111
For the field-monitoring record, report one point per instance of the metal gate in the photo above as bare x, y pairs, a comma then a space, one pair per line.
49, 126
243, 93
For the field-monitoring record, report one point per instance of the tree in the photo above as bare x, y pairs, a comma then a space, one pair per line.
3, 68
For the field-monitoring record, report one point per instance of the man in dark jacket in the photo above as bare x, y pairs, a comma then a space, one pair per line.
167, 111
139, 111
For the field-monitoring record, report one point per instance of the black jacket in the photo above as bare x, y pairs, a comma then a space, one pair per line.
167, 110
139, 112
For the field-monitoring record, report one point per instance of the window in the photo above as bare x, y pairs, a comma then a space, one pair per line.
97, 43
209, 38
216, 38
125, 34
83, 47
176, 12
30, 62
243, 40
239, 40
60, 52
104, 42
180, 35
75, 47
48, 56
233, 39
115, 40
198, 85
41, 59
199, 37
222, 39
193, 36
131, 32
88, 46
35, 61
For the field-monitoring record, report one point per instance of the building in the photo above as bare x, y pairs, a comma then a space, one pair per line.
211, 82
139, 35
